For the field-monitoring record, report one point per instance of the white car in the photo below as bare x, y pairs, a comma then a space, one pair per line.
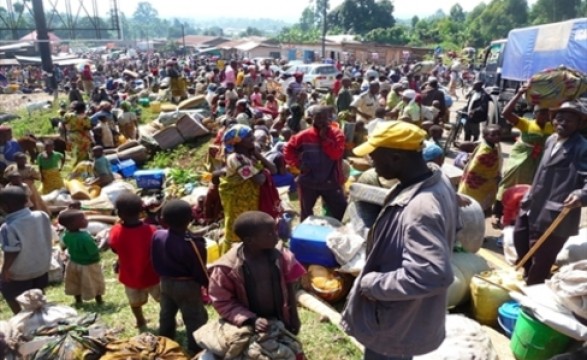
317, 76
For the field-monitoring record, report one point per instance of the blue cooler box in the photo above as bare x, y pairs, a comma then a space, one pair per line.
127, 168
308, 243
150, 179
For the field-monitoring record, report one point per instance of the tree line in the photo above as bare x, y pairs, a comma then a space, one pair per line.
373, 20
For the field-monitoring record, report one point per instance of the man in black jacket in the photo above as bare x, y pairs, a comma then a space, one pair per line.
477, 108
560, 181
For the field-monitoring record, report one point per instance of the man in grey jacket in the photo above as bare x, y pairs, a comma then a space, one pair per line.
397, 307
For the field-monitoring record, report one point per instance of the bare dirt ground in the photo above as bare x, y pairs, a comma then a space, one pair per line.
10, 103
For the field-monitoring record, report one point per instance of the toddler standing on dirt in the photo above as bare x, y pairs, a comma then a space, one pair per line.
83, 274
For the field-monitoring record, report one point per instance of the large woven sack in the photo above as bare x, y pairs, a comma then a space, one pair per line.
552, 87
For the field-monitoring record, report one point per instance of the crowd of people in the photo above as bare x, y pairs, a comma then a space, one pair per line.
271, 135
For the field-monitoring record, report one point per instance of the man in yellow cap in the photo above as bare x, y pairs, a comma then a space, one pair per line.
397, 307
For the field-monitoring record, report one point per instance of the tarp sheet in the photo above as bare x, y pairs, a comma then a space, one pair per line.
533, 49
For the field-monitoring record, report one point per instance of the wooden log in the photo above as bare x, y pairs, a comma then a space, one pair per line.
320, 307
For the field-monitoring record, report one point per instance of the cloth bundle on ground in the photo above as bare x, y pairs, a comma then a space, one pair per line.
75, 339
570, 288
465, 340
575, 249
239, 343
37, 312
144, 347
551, 87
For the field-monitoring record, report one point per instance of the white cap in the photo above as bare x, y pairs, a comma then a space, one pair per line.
410, 94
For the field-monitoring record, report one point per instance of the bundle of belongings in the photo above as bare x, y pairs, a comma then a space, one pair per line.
144, 346
36, 325
550, 88
570, 289
227, 341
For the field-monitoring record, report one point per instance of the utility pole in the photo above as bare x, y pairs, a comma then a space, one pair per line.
324, 27
183, 40
44, 44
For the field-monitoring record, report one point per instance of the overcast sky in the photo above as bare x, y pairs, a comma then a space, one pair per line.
288, 10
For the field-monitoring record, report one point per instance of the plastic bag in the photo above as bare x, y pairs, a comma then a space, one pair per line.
114, 190
509, 249
344, 243
348, 248
37, 312
465, 340
95, 227
570, 287
471, 235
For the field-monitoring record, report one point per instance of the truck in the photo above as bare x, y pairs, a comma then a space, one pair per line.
526, 51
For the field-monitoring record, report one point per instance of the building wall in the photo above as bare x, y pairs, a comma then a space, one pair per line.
263, 51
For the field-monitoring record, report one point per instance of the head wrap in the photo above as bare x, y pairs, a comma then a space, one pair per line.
432, 151
410, 94
234, 135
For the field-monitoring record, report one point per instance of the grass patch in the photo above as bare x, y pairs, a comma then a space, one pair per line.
321, 340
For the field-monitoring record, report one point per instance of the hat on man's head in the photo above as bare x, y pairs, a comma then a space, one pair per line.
298, 74
574, 107
396, 135
410, 94
397, 86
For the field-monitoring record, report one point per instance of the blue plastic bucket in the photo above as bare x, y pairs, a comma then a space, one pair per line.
507, 316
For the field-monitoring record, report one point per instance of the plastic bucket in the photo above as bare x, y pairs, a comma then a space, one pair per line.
487, 298
533, 340
155, 106
507, 316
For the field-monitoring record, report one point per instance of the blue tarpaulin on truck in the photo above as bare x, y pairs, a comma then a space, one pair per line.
533, 49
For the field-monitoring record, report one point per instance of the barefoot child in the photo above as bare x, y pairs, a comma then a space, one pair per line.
131, 241
83, 274
26, 246
179, 257
253, 282
102, 168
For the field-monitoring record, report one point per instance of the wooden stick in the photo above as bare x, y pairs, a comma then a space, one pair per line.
318, 306
544, 237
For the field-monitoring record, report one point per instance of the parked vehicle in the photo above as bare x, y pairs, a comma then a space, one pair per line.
509, 62
316, 76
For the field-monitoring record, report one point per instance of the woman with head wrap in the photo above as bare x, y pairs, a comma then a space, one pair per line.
240, 188
526, 152
78, 132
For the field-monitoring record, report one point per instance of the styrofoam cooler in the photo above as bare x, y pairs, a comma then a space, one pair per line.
150, 179
308, 243
127, 168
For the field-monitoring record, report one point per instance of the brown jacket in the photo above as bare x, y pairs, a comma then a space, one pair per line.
227, 285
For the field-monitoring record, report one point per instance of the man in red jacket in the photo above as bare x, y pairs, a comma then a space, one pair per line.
318, 153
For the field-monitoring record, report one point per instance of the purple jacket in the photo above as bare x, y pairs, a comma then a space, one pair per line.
397, 306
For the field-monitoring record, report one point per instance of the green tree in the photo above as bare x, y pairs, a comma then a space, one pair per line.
396, 35
146, 20
415, 20
308, 19
251, 31
362, 16
547, 11
456, 13
214, 31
